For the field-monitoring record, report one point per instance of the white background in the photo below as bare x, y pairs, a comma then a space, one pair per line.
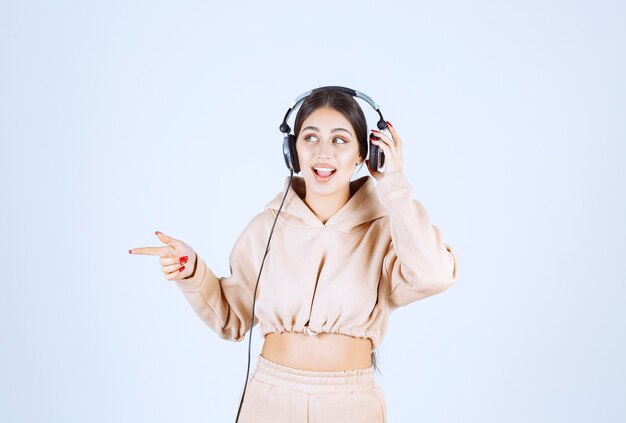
118, 119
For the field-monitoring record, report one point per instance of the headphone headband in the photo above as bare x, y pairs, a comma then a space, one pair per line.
284, 127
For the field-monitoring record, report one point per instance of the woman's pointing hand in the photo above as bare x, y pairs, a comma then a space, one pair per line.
173, 257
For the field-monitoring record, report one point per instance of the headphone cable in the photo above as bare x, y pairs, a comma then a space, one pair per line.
267, 248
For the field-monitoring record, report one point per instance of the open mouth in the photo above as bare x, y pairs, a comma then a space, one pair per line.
323, 173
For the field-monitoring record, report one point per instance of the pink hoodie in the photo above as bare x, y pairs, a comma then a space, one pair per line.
377, 253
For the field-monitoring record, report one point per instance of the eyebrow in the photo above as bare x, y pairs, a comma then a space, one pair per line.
315, 128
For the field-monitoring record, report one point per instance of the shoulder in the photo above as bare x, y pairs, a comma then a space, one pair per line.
260, 224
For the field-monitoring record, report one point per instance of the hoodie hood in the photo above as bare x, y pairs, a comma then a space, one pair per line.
362, 207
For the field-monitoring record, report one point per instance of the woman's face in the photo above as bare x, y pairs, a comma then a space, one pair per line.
327, 141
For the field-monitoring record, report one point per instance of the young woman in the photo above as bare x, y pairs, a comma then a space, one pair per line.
344, 254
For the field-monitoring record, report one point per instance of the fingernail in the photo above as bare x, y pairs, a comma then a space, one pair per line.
130, 251
181, 269
375, 130
156, 232
389, 123
184, 258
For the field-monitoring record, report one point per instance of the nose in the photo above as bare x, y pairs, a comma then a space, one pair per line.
323, 150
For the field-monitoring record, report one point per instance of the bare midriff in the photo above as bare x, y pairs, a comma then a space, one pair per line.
326, 352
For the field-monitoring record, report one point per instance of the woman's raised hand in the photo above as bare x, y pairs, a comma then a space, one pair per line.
173, 257
392, 147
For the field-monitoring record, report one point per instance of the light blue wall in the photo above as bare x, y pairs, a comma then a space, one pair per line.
119, 119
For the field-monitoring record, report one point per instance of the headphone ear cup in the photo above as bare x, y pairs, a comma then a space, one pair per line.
372, 162
286, 154
290, 154
294, 153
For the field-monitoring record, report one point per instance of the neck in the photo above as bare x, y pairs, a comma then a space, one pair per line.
325, 206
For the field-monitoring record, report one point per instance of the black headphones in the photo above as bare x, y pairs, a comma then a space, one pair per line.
376, 158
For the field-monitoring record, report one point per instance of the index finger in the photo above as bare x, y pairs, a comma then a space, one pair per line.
152, 251
394, 134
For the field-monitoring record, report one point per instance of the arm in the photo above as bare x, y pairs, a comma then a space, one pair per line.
418, 263
225, 303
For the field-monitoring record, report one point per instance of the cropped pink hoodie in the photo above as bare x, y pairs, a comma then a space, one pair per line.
378, 252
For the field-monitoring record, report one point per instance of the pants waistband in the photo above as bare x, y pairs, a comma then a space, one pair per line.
312, 377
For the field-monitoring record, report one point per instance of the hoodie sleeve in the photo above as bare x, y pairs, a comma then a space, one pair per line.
225, 303
418, 263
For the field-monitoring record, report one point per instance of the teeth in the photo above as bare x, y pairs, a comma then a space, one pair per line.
324, 168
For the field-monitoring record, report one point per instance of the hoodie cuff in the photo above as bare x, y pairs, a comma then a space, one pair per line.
194, 282
391, 185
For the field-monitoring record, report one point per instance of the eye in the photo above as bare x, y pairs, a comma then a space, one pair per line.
306, 138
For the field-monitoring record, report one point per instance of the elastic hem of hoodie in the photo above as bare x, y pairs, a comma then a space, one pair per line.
307, 330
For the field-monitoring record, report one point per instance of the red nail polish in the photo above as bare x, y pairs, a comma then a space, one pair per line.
184, 258
389, 123
130, 251
156, 232
181, 269
375, 130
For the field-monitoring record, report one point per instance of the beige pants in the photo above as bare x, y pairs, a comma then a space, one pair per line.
276, 394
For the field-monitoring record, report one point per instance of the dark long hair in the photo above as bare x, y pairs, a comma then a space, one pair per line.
346, 105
